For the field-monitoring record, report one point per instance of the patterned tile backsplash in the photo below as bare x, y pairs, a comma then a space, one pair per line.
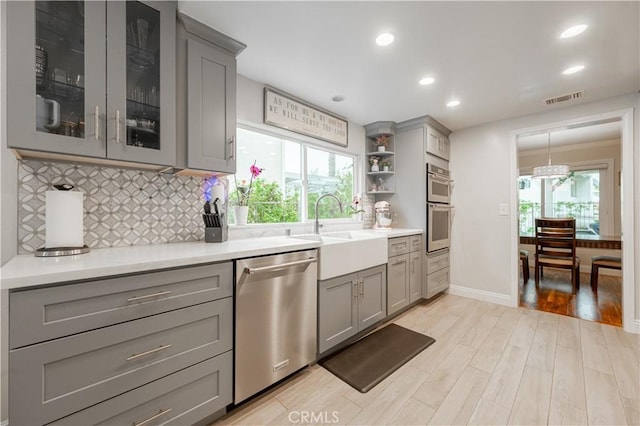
122, 207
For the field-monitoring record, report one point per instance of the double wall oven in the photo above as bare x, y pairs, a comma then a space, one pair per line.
439, 209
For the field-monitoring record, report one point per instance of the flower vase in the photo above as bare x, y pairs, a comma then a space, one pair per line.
241, 213
381, 148
385, 169
375, 167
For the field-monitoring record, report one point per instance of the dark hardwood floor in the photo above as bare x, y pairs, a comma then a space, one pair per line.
554, 295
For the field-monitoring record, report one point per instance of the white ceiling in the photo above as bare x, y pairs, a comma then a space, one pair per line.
500, 59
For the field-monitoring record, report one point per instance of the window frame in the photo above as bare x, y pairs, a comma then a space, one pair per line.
305, 143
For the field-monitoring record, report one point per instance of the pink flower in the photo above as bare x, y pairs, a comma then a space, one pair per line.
255, 171
243, 192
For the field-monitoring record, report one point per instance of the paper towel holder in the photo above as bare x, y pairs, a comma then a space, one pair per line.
61, 251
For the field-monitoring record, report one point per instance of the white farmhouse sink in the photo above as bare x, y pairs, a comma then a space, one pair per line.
346, 252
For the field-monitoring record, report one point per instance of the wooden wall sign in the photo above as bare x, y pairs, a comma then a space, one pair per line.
285, 111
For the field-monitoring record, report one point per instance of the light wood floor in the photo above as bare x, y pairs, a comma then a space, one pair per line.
490, 365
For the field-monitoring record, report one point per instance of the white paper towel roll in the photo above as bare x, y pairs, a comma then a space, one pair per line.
64, 219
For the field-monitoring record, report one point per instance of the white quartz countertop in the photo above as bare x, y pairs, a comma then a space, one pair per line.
27, 270
395, 232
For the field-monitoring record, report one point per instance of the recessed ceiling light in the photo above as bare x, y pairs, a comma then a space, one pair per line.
454, 103
573, 70
427, 80
384, 39
338, 98
573, 31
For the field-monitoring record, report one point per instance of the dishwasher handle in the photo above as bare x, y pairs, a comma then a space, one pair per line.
278, 267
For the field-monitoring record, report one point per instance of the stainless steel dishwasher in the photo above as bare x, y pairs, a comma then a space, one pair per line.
276, 316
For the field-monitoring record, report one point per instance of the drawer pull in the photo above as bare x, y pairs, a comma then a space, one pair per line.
118, 126
97, 121
158, 294
152, 418
149, 352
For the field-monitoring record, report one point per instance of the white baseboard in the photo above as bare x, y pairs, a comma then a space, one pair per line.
485, 296
634, 327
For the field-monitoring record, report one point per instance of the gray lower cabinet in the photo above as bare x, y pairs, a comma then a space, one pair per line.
415, 276
349, 304
52, 312
181, 398
404, 272
397, 283
437, 273
169, 330
207, 110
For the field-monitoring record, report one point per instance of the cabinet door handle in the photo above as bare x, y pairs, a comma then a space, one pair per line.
152, 418
149, 352
97, 128
355, 289
231, 147
147, 296
361, 288
117, 126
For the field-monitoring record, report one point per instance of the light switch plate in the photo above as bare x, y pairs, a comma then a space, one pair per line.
503, 209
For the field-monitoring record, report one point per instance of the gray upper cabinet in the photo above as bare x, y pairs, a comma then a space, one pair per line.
92, 79
56, 71
141, 81
207, 111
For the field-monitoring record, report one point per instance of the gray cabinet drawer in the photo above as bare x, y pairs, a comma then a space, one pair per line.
437, 282
47, 313
50, 380
415, 242
182, 398
397, 246
437, 262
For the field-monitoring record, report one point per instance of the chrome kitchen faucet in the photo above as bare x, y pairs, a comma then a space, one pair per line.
316, 225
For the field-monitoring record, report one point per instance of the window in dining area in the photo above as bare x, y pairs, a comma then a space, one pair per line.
577, 196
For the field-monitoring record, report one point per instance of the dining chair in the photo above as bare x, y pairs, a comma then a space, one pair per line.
524, 257
598, 262
556, 248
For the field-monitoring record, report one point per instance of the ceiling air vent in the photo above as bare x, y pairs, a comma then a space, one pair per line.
563, 98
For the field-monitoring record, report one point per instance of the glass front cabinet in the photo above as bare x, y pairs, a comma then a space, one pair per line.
94, 79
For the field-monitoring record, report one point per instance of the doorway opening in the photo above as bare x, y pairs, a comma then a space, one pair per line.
593, 194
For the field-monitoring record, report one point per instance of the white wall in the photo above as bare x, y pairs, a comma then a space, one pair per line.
480, 163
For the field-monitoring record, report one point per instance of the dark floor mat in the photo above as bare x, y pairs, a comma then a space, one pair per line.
368, 361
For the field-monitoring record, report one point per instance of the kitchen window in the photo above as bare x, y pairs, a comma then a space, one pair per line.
295, 173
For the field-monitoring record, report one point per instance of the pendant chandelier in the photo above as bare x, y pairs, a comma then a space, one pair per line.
550, 171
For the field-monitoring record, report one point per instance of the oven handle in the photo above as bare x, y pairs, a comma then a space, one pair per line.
439, 178
278, 267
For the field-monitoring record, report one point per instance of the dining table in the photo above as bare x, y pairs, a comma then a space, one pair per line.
608, 242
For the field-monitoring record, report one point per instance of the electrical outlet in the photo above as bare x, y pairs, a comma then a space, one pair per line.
503, 209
